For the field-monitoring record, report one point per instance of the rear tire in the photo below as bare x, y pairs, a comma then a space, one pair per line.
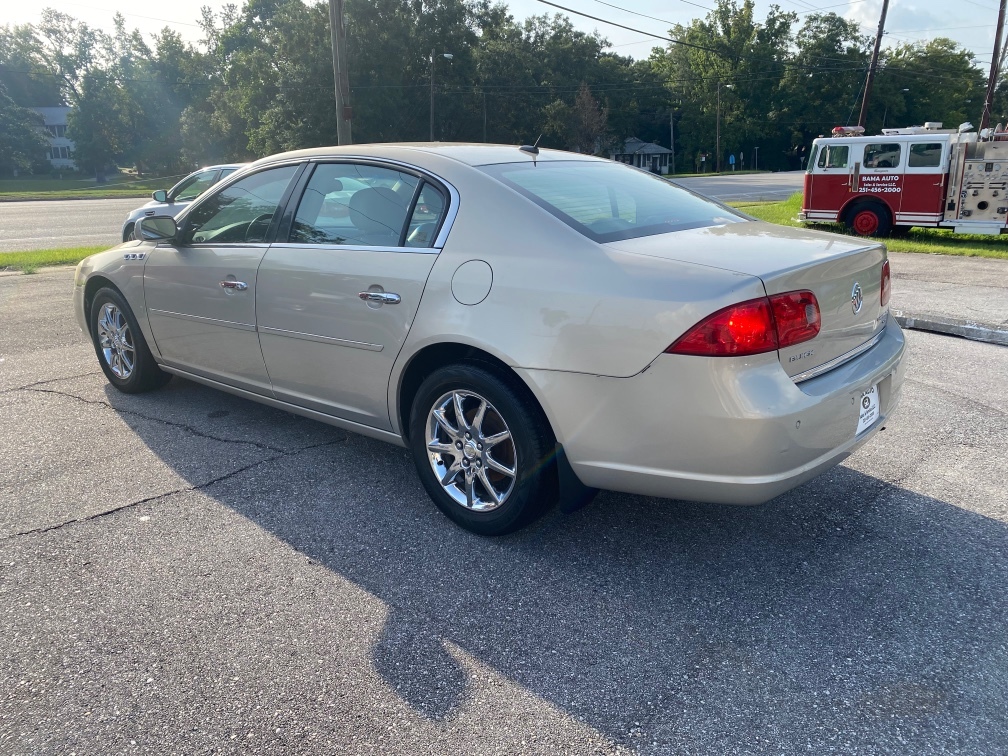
869, 219
119, 343
482, 449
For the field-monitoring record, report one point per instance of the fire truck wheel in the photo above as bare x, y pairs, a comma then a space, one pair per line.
869, 219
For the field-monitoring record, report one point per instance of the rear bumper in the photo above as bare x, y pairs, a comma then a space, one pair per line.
725, 430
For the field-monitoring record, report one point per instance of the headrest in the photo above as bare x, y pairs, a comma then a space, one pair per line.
377, 209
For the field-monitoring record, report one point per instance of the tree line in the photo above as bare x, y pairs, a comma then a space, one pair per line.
261, 81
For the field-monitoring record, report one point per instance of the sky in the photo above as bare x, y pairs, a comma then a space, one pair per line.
969, 22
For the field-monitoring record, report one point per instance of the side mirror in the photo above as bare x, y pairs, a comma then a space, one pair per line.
160, 196
157, 228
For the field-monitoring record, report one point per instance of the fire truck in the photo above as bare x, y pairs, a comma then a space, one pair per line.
916, 176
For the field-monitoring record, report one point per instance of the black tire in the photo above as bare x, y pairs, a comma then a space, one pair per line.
528, 451
869, 219
124, 357
128, 232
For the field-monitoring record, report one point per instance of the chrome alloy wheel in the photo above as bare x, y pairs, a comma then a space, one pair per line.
116, 341
471, 451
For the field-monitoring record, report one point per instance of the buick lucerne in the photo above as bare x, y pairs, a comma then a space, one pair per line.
532, 325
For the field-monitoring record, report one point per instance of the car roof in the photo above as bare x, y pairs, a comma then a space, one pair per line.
470, 154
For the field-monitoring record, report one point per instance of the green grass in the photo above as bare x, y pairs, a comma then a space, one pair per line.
30, 262
122, 185
922, 240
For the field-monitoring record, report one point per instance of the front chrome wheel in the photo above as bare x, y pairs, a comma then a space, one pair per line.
116, 341
471, 450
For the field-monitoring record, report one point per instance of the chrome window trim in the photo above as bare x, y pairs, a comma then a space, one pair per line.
838, 361
356, 248
322, 339
201, 319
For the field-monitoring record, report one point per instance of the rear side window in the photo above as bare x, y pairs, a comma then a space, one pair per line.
834, 156
925, 155
812, 157
607, 201
354, 204
883, 155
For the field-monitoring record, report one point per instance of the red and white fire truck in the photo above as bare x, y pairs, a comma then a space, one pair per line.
917, 176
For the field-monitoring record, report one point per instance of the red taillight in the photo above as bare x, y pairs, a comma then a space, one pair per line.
753, 327
744, 328
797, 316
886, 283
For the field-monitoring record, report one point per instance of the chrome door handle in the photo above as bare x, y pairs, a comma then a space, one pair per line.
236, 285
381, 297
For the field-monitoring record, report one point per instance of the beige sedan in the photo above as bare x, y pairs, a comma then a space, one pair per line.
532, 325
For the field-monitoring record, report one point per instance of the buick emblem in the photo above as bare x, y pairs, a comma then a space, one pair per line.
856, 298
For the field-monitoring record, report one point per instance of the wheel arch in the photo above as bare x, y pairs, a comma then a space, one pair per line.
95, 283
865, 199
433, 356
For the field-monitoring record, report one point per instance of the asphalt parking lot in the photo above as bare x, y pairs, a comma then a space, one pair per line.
188, 572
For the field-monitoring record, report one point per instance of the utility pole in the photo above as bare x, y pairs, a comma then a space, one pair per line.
874, 64
343, 110
717, 142
992, 81
671, 126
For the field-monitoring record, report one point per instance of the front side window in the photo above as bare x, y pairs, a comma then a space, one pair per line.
812, 157
609, 202
926, 155
192, 187
834, 156
354, 204
241, 212
886, 155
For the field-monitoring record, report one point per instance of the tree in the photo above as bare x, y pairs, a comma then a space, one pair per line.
22, 140
98, 124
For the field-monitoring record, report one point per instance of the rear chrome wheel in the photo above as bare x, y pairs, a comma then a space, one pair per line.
471, 451
482, 448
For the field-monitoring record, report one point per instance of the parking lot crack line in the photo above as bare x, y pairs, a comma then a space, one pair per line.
186, 489
31, 386
181, 426
949, 392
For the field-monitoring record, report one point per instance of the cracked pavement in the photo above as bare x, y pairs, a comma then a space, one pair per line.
186, 572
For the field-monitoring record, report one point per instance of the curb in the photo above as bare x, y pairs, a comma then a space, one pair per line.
967, 329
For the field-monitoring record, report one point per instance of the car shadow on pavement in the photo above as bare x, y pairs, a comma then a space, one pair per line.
849, 610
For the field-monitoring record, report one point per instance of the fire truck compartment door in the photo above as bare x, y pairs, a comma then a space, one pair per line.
925, 182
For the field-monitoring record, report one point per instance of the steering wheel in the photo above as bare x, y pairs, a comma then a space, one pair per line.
264, 218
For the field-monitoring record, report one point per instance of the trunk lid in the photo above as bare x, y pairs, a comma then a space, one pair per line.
832, 267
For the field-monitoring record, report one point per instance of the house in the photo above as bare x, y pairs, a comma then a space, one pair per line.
646, 155
60, 148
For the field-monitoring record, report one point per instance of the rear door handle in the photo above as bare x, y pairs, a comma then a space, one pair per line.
236, 285
381, 297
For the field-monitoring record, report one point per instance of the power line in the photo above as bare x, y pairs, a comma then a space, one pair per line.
629, 28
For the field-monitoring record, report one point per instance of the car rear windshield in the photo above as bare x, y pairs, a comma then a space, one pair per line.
608, 201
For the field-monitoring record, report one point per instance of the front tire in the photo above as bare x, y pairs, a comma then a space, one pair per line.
482, 450
119, 343
128, 232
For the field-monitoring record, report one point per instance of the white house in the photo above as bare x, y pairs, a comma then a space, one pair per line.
647, 155
60, 148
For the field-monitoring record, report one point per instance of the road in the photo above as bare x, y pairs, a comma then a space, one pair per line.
751, 186
77, 223
63, 223
188, 572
